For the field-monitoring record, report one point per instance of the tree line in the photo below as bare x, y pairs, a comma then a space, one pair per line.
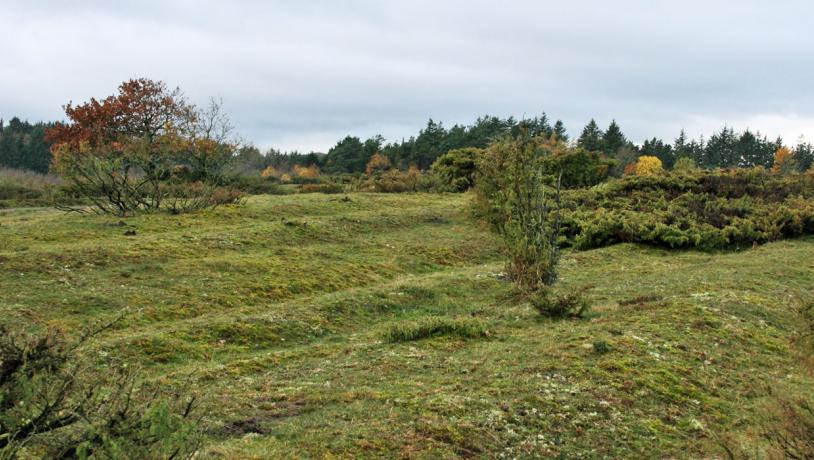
24, 146
724, 149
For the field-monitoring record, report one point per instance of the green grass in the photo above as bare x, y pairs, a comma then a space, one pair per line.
284, 312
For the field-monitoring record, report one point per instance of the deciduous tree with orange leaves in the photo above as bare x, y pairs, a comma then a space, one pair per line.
138, 149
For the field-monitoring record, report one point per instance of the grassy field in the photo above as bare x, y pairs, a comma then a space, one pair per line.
298, 318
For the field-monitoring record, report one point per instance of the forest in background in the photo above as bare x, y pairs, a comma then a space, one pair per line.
23, 145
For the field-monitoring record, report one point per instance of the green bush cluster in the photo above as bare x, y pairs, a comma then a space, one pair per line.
396, 181
705, 210
577, 167
458, 168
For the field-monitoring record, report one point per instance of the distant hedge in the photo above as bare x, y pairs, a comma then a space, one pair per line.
706, 210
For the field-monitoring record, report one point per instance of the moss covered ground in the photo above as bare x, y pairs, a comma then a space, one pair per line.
301, 321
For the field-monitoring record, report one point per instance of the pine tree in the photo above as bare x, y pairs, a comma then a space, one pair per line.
591, 137
560, 132
429, 145
345, 156
803, 154
680, 143
613, 139
721, 151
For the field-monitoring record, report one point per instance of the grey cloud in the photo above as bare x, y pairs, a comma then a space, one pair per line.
302, 74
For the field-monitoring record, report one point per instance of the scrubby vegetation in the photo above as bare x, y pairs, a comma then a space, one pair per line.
560, 305
706, 210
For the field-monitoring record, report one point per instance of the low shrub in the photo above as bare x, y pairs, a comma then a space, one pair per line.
601, 347
704, 210
19, 192
53, 405
434, 326
571, 304
186, 197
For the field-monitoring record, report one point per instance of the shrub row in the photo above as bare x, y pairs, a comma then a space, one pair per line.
706, 210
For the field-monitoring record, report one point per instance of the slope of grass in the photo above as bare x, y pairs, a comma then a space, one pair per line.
281, 309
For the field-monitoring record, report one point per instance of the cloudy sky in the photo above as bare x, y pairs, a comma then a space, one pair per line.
302, 74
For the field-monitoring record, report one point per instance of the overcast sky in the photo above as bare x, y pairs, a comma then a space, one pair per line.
302, 74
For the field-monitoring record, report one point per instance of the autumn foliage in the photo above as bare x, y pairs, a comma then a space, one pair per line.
378, 164
135, 150
784, 161
647, 166
306, 172
270, 171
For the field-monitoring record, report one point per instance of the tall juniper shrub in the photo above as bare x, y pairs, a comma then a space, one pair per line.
522, 204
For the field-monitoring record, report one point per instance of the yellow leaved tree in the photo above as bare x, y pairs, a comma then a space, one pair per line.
784, 162
648, 166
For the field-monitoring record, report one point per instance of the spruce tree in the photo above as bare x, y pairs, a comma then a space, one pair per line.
560, 132
591, 137
613, 139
